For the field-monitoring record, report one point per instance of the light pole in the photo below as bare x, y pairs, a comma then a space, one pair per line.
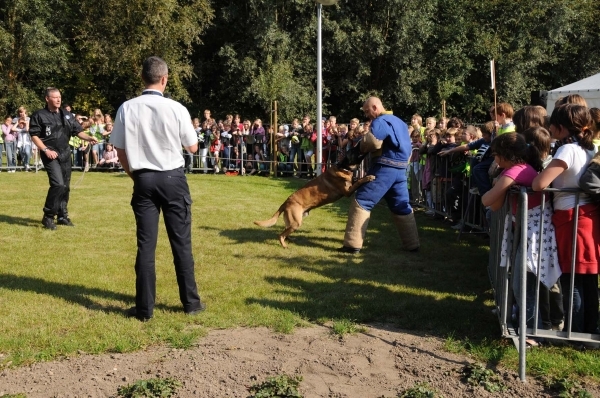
320, 5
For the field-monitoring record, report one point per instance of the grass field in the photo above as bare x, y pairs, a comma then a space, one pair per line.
64, 291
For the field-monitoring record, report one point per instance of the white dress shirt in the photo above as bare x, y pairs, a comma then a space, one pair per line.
152, 129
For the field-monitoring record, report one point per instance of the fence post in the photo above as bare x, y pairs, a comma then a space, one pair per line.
523, 293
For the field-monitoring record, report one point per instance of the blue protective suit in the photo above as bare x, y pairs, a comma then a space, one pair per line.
389, 168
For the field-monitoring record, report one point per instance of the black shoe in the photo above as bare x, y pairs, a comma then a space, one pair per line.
65, 221
48, 223
346, 249
198, 310
132, 313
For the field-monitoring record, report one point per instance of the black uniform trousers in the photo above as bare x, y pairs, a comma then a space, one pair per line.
168, 191
59, 176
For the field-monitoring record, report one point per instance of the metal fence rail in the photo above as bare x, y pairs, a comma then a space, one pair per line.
503, 278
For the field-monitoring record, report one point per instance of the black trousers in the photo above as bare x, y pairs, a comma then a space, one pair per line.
59, 176
168, 191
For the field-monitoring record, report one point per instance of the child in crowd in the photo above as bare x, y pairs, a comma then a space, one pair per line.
571, 99
414, 169
96, 129
428, 171
215, 147
417, 124
109, 158
309, 137
23, 142
430, 124
203, 138
570, 124
530, 116
503, 114
479, 172
451, 171
342, 142
443, 124
296, 153
284, 167
521, 163
590, 180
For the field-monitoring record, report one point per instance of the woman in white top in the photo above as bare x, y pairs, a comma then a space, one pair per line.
23, 141
570, 125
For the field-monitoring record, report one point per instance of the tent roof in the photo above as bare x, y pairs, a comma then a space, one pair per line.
588, 88
591, 83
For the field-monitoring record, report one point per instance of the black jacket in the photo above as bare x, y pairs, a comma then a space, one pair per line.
54, 129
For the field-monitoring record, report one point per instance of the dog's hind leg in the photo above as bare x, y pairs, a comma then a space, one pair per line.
292, 222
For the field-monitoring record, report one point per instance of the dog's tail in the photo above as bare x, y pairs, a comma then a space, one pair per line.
271, 221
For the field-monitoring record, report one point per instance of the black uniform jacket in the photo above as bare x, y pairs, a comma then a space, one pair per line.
54, 129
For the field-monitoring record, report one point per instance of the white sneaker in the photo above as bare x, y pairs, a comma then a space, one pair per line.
430, 213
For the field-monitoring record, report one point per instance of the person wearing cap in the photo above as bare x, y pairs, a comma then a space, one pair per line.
148, 134
390, 146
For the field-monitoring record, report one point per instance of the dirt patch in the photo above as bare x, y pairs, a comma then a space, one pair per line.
378, 362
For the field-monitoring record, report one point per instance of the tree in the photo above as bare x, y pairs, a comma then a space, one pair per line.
33, 57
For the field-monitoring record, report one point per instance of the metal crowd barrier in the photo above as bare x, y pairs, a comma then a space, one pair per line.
453, 197
503, 278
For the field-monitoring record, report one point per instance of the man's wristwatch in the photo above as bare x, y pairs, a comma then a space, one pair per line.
45, 149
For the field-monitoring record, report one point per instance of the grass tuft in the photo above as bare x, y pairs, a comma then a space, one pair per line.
282, 386
342, 327
151, 388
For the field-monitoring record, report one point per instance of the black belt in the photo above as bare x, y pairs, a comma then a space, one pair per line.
144, 171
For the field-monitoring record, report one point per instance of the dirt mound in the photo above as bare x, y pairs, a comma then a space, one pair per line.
378, 362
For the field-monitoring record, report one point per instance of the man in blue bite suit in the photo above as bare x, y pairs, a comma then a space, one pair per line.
389, 143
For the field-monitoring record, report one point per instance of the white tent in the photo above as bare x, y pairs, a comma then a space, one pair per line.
588, 88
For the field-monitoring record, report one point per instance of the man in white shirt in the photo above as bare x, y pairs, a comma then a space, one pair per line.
148, 134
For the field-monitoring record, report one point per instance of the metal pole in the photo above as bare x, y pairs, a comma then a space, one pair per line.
273, 141
523, 292
319, 93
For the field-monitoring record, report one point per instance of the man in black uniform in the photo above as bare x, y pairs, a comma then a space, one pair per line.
50, 129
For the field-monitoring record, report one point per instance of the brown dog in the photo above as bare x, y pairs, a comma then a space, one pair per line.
329, 187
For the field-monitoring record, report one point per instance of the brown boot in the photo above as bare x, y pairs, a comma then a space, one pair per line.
407, 229
356, 228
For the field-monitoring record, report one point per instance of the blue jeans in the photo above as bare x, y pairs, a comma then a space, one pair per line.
480, 176
295, 150
25, 152
1, 150
585, 302
11, 154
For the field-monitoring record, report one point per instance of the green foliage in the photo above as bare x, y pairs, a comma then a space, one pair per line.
567, 387
13, 396
151, 388
282, 386
479, 375
238, 56
421, 390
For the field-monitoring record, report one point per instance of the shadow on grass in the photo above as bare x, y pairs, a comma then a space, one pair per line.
23, 221
441, 290
76, 294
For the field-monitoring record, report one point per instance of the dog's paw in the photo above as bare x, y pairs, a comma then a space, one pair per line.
370, 178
